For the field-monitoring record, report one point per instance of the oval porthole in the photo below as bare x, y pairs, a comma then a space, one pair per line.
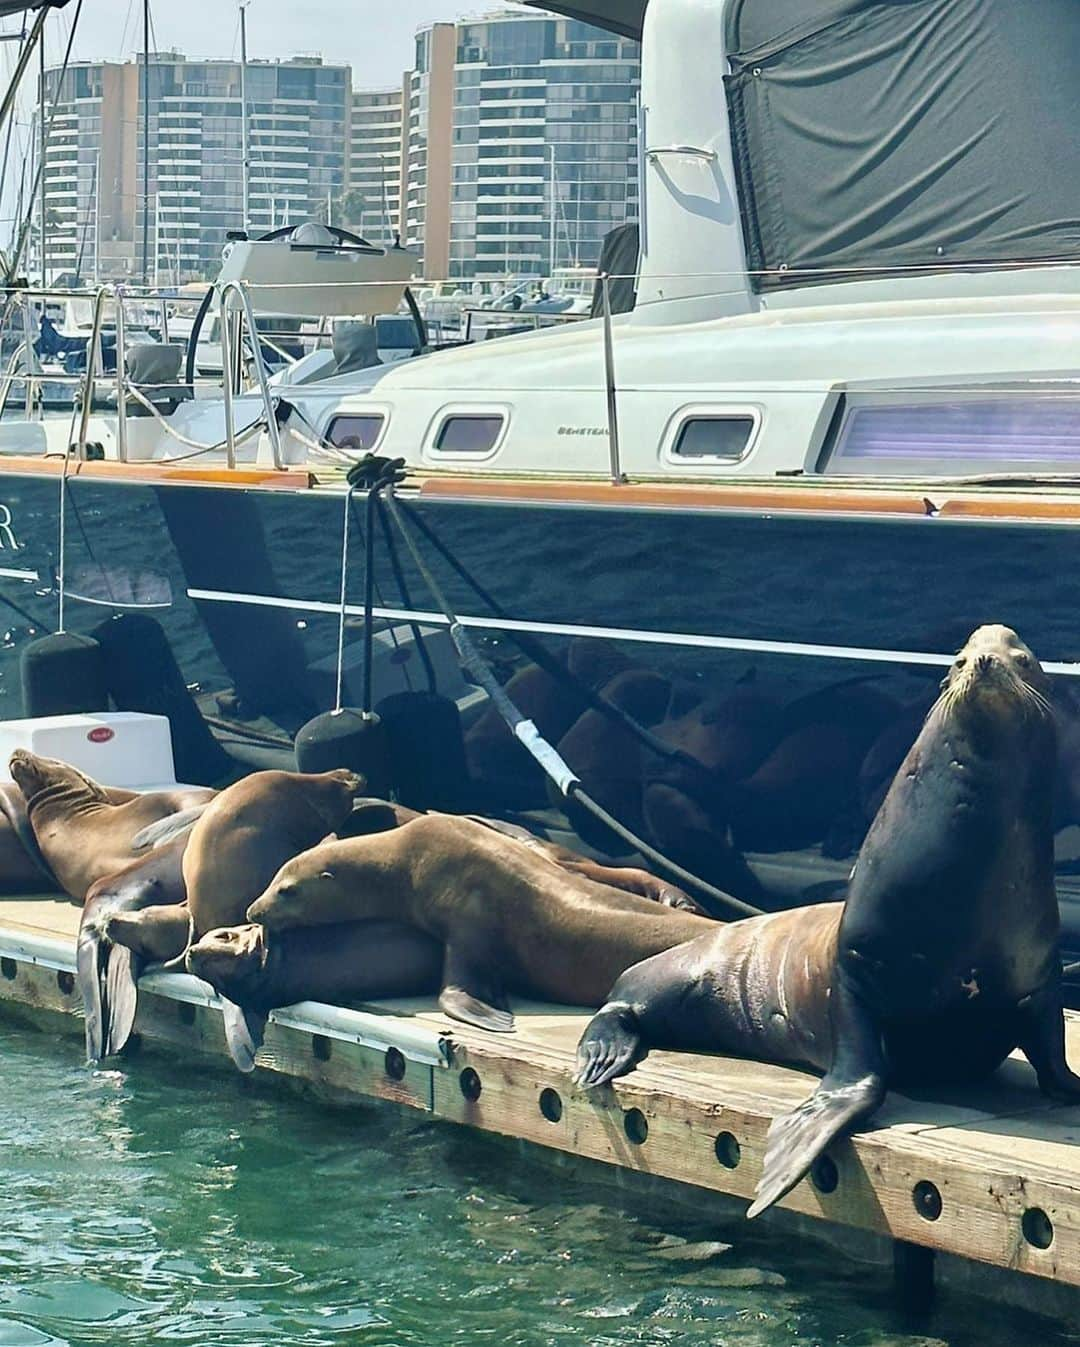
357, 434
712, 438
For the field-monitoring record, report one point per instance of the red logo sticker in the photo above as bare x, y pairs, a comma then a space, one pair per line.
101, 735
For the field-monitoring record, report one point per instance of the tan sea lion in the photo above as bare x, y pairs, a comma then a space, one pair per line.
509, 919
236, 847
942, 960
23, 869
85, 830
351, 961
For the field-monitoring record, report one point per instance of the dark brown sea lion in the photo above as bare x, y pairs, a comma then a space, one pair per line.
351, 961
108, 971
23, 869
946, 949
236, 847
508, 918
85, 830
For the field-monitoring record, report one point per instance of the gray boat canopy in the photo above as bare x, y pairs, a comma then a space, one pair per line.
876, 135
617, 16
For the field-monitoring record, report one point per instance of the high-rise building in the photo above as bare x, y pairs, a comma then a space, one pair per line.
298, 123
375, 152
537, 119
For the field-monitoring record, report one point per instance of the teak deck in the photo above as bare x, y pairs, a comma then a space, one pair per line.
990, 1173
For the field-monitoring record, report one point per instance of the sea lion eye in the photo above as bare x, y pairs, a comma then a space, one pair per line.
326, 874
1023, 660
961, 660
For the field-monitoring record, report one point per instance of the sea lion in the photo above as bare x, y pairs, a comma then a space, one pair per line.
107, 971
508, 918
942, 960
351, 961
236, 847
23, 869
85, 830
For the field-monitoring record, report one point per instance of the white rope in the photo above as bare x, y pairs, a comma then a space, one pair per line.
197, 445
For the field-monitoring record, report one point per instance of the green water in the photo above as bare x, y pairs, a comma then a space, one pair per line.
186, 1205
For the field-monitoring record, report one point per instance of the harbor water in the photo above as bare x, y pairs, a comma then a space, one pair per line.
173, 1202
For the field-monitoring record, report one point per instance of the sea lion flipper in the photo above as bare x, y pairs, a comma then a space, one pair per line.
609, 1047
120, 976
796, 1139
244, 1030
89, 981
462, 1005
470, 994
167, 829
1042, 1039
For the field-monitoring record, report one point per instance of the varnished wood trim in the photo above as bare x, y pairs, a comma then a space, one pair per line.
680, 496
984, 507
156, 473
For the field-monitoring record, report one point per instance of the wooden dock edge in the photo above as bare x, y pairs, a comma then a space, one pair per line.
881, 1192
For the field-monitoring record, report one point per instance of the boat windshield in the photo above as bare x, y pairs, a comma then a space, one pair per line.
871, 137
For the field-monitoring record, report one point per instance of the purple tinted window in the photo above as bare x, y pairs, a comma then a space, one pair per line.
1025, 434
358, 433
469, 434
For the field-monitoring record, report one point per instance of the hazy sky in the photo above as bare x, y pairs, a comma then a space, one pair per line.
374, 36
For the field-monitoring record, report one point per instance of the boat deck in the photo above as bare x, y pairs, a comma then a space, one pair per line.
990, 1173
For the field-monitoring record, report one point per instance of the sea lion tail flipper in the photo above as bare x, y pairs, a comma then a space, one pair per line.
796, 1139
167, 829
89, 980
120, 976
610, 1045
470, 996
243, 1033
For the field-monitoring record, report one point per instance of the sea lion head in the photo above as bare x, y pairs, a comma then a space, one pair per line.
334, 794
996, 679
303, 892
34, 776
231, 959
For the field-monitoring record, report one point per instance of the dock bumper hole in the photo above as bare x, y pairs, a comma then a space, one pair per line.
636, 1126
65, 981
1038, 1228
551, 1105
321, 1047
9, 968
824, 1175
728, 1150
186, 1012
394, 1064
470, 1085
927, 1200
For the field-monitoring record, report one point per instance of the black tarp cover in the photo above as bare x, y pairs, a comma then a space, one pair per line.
905, 132
617, 16
21, 6
619, 259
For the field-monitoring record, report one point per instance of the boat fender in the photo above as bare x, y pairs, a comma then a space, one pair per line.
426, 751
348, 738
141, 674
63, 674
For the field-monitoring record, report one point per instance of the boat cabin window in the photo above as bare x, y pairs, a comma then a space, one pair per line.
888, 436
707, 438
359, 433
469, 434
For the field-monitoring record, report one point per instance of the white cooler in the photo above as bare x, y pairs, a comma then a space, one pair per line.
117, 748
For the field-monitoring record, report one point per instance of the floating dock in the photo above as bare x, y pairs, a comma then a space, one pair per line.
991, 1173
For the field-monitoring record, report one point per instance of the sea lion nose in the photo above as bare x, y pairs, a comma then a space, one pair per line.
984, 663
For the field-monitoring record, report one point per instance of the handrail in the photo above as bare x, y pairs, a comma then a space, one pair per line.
272, 429
93, 350
121, 378
609, 383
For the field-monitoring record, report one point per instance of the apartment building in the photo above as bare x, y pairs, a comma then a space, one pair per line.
299, 113
375, 156
521, 144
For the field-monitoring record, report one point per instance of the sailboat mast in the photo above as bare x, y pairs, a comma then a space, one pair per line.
42, 137
245, 154
146, 145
